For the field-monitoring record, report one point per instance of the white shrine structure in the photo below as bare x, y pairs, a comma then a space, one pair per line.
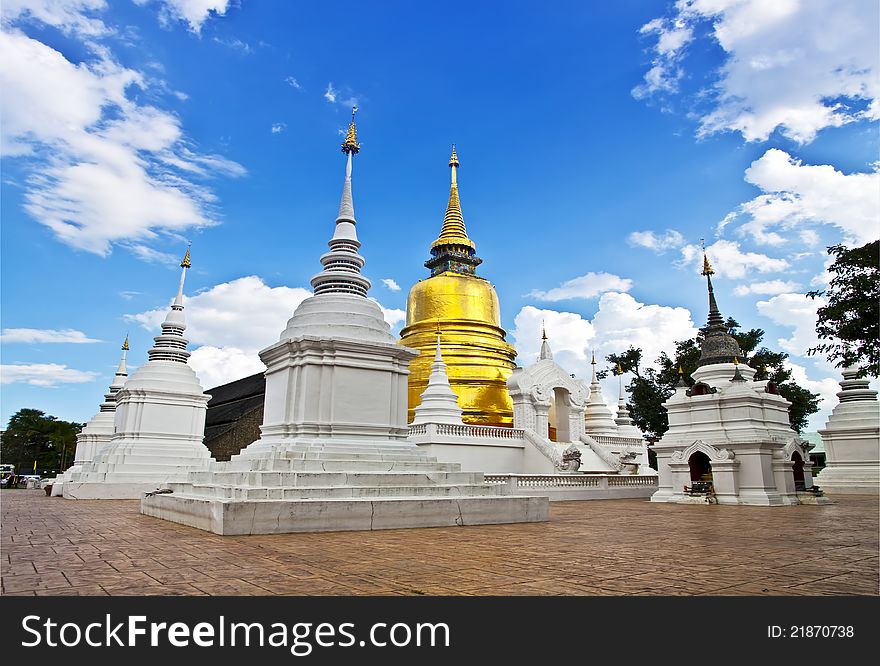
98, 431
159, 422
333, 452
852, 440
565, 443
728, 433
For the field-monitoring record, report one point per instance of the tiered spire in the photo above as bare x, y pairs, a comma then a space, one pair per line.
170, 345
718, 345
109, 404
439, 402
623, 418
546, 352
453, 251
343, 264
598, 419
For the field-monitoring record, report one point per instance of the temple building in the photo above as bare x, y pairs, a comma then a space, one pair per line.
464, 308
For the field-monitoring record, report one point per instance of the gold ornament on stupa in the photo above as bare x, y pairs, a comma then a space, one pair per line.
464, 307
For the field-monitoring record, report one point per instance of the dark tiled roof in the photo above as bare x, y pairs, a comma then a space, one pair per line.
231, 401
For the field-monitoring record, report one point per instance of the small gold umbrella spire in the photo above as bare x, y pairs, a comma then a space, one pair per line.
125, 344
453, 231
186, 263
351, 145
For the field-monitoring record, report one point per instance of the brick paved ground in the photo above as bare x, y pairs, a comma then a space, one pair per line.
52, 546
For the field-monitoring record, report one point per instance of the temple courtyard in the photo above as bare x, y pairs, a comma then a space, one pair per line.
617, 547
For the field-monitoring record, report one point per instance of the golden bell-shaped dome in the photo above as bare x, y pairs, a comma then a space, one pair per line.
464, 308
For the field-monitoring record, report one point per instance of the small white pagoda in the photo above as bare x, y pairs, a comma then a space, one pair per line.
728, 434
159, 422
97, 432
852, 440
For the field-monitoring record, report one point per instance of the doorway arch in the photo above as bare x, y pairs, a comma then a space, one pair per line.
700, 467
559, 415
798, 470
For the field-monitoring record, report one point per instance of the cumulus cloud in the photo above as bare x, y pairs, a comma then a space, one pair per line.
391, 284
794, 311
728, 260
39, 335
797, 194
44, 374
795, 66
104, 169
589, 285
658, 243
229, 323
769, 287
193, 12
73, 17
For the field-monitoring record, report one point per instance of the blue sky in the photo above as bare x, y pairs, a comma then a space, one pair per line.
598, 144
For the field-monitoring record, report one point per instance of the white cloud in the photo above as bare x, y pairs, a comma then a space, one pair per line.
231, 322
150, 255
769, 287
103, 168
44, 374
335, 96
391, 284
277, 128
794, 311
796, 66
330, 93
292, 82
797, 194
659, 243
728, 260
393, 316
589, 285
37, 335
193, 12
70, 16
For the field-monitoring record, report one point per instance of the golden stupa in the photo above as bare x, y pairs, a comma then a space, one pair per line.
463, 308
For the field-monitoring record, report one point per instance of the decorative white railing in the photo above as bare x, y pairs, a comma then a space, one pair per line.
457, 430
596, 481
612, 440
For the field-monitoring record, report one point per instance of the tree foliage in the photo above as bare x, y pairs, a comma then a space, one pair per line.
653, 385
849, 324
32, 435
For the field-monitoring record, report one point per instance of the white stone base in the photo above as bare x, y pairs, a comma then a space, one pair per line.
849, 480
310, 487
115, 489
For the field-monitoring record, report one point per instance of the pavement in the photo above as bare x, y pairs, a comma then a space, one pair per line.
52, 546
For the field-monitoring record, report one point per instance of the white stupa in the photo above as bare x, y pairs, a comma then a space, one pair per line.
598, 419
97, 432
727, 431
159, 421
625, 426
333, 452
439, 403
852, 440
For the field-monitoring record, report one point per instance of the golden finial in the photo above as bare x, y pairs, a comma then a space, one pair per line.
707, 268
453, 161
736, 360
351, 145
680, 370
186, 263
125, 344
619, 369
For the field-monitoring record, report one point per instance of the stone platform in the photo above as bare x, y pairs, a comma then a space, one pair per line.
325, 488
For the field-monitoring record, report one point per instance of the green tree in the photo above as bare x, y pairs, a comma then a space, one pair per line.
849, 323
32, 435
652, 386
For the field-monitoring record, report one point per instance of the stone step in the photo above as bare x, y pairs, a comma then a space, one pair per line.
323, 515
355, 455
352, 465
321, 478
328, 492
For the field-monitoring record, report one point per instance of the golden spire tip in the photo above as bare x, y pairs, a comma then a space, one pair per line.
186, 262
351, 145
125, 344
619, 369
